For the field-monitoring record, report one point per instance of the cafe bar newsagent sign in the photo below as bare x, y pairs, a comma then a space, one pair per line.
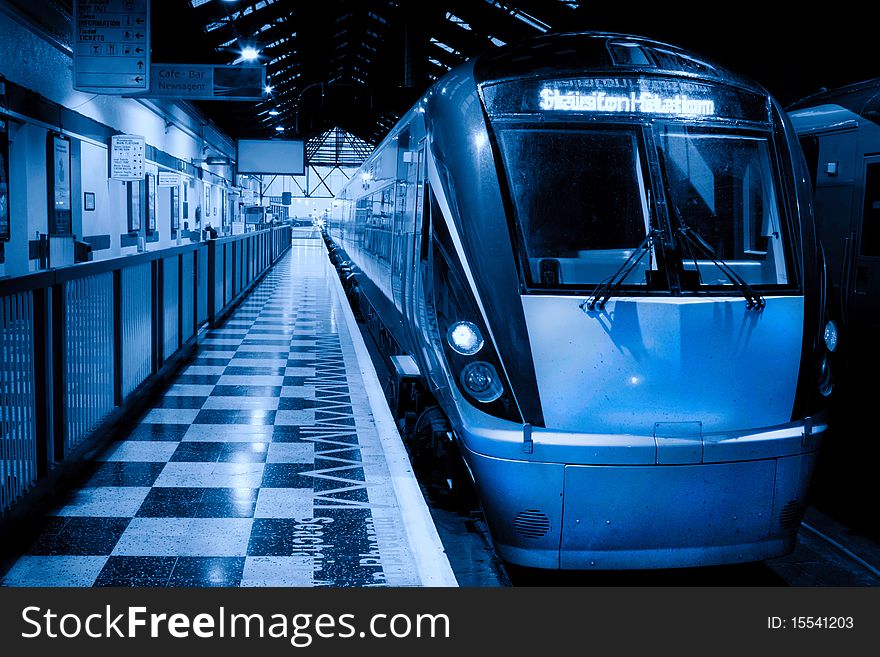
207, 82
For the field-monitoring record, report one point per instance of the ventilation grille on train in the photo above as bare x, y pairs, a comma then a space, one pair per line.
791, 515
531, 524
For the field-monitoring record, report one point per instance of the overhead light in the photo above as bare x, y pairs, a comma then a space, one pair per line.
216, 160
249, 53
269, 88
279, 128
274, 112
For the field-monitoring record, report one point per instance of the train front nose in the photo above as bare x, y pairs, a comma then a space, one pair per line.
664, 444
642, 361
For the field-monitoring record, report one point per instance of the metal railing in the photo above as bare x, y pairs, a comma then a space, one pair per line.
77, 342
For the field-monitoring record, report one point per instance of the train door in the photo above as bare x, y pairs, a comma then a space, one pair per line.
866, 277
416, 232
400, 227
832, 160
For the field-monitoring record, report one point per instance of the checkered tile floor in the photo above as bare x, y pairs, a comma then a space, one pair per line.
260, 466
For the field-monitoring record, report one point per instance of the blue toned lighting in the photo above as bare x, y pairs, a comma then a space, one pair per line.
465, 338
830, 336
249, 53
481, 381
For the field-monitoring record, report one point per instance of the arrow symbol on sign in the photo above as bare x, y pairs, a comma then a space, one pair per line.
140, 65
139, 21
138, 35
139, 79
138, 50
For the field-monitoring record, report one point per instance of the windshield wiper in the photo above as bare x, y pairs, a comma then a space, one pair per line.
604, 290
753, 299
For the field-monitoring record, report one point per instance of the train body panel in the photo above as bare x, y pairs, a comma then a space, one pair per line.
685, 389
647, 361
633, 517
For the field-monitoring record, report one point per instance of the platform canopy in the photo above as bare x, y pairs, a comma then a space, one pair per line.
337, 148
356, 64
359, 64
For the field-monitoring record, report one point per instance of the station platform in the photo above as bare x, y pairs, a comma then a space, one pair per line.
271, 460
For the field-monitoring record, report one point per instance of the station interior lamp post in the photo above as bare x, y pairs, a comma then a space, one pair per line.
298, 101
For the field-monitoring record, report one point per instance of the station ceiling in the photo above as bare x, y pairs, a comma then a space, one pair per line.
360, 64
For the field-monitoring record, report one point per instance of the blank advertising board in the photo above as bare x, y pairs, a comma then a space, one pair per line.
272, 156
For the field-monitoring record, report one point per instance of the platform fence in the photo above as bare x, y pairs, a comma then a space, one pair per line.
78, 342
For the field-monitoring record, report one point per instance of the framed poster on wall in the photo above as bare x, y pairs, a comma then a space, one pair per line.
135, 206
4, 181
151, 202
58, 181
175, 206
207, 212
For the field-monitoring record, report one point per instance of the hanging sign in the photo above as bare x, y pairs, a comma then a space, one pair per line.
111, 46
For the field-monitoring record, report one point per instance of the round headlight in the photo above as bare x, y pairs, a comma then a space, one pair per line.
830, 335
482, 382
826, 383
465, 338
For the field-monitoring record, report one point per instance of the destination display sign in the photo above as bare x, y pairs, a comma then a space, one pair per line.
111, 46
626, 96
207, 82
562, 99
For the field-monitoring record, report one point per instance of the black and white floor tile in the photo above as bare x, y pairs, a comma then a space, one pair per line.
260, 465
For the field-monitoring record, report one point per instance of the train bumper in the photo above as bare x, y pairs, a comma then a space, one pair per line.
610, 516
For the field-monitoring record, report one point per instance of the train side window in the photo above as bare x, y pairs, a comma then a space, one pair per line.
870, 242
426, 222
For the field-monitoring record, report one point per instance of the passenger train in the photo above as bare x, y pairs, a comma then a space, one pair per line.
595, 254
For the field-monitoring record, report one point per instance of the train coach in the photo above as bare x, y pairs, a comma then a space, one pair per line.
593, 258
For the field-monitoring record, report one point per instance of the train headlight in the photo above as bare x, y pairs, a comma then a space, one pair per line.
830, 335
482, 381
826, 384
465, 338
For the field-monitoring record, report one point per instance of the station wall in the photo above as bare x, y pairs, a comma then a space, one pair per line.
37, 101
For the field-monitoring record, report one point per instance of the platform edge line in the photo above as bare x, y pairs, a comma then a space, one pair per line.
432, 563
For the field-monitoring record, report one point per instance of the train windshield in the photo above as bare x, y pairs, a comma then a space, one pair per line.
721, 186
581, 201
